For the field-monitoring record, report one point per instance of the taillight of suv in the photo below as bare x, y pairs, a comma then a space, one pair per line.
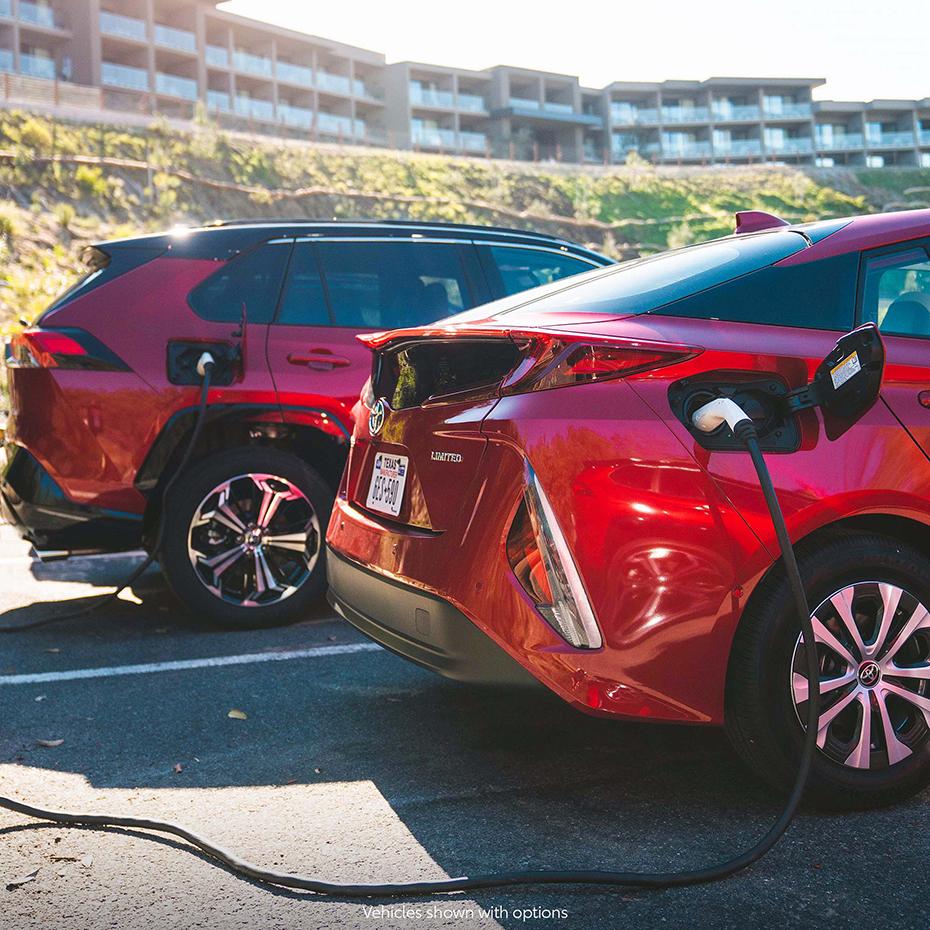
69, 348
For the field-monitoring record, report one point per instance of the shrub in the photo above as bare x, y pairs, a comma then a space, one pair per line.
65, 214
35, 135
90, 180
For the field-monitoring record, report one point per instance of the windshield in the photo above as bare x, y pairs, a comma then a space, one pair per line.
645, 284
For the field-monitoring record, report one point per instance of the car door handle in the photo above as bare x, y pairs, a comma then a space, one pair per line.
319, 359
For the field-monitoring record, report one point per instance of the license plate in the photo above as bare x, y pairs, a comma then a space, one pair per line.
386, 491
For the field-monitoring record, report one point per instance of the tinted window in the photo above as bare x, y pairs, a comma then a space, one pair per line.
521, 269
647, 283
896, 293
303, 302
253, 279
815, 295
383, 285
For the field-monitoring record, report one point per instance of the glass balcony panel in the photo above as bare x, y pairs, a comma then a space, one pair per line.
900, 139
524, 103
172, 37
38, 14
361, 89
840, 141
474, 103
430, 96
337, 83
294, 74
474, 141
723, 110
6, 8
37, 66
218, 56
554, 107
685, 114
6, 59
252, 64
925, 136
254, 108
743, 147
334, 125
684, 149
218, 101
648, 115
301, 117
360, 128
115, 24
776, 108
124, 76
433, 137
788, 145
173, 85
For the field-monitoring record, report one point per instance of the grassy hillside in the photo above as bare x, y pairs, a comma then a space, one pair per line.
63, 185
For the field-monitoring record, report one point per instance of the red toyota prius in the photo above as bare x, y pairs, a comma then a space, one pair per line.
526, 500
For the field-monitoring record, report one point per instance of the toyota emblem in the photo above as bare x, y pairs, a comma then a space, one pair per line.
376, 418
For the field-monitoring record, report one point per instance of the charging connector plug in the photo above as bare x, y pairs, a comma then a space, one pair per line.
205, 363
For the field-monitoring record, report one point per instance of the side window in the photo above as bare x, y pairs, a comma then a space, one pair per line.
303, 302
812, 295
253, 279
896, 293
384, 285
521, 269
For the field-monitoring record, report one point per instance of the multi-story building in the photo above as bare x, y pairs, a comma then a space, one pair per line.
175, 56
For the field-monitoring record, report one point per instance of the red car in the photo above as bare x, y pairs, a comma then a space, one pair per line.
103, 390
525, 498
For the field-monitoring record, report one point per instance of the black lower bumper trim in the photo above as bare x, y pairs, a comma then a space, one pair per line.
418, 626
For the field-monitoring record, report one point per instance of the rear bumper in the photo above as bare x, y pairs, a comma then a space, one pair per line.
418, 626
32, 501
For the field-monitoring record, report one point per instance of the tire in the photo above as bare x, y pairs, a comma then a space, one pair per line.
765, 699
275, 577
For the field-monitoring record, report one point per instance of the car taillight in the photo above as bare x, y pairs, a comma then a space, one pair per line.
553, 361
542, 562
61, 348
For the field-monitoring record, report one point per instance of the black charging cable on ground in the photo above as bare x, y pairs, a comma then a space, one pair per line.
744, 430
205, 367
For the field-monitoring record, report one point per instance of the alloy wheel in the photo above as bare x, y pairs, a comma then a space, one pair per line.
873, 643
254, 540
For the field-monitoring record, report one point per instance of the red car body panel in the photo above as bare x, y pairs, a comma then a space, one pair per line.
670, 539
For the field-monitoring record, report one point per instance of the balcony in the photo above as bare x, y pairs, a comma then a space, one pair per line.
6, 59
37, 66
685, 114
686, 149
553, 106
433, 137
840, 141
124, 27
301, 117
218, 101
38, 15
430, 97
801, 145
473, 141
739, 148
173, 85
180, 39
248, 63
294, 74
474, 103
525, 103
361, 89
124, 76
891, 140
334, 83
723, 111
787, 110
217, 56
253, 108
331, 124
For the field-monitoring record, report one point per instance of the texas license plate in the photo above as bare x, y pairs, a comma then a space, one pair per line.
386, 491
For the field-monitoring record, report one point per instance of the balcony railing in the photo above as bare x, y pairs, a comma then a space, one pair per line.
6, 8
433, 137
738, 147
685, 114
217, 56
430, 97
38, 14
6, 59
361, 89
524, 103
724, 112
894, 140
336, 83
686, 149
127, 27
554, 106
173, 85
790, 146
294, 74
254, 108
473, 141
332, 124
218, 101
37, 66
301, 117
124, 76
789, 110
252, 64
474, 103
172, 37
629, 116
840, 141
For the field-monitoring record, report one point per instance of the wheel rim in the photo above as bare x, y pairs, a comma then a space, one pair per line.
873, 646
254, 540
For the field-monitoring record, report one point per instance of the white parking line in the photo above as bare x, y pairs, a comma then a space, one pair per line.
317, 652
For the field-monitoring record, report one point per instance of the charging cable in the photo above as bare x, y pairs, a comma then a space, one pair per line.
707, 419
205, 365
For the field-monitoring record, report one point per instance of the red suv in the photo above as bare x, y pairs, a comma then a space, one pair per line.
526, 497
103, 392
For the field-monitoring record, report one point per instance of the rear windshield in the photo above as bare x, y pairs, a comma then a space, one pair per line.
645, 284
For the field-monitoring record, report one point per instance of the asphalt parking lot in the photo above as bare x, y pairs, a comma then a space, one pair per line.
349, 763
